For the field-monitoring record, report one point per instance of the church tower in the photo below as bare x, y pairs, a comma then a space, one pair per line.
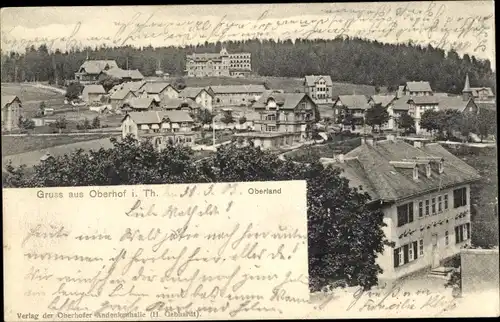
467, 91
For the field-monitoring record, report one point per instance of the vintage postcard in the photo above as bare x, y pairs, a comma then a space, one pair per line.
250, 161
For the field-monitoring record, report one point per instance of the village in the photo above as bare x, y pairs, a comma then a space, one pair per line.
386, 142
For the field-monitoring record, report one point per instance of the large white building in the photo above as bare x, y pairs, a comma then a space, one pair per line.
219, 64
424, 191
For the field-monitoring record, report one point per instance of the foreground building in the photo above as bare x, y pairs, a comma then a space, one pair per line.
163, 127
424, 191
11, 111
319, 88
219, 64
284, 119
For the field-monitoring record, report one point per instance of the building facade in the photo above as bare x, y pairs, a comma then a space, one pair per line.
237, 95
424, 192
419, 88
162, 127
11, 111
90, 70
200, 95
93, 93
349, 110
221, 64
159, 91
319, 88
386, 101
284, 119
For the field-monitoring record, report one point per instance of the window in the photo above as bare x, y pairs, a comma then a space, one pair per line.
440, 204
405, 254
462, 233
405, 214
446, 238
445, 202
427, 207
459, 197
420, 209
433, 206
421, 247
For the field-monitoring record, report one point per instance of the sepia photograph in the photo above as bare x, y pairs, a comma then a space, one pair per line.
250, 161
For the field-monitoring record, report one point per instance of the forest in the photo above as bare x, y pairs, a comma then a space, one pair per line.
349, 60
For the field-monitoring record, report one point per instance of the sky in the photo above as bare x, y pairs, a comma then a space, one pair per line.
466, 26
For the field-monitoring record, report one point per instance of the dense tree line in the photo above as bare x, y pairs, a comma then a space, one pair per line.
346, 60
344, 229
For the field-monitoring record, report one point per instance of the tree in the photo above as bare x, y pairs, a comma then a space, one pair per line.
179, 84
430, 120
42, 108
377, 115
26, 124
242, 120
406, 122
74, 90
204, 116
344, 229
96, 123
227, 119
486, 123
108, 82
60, 123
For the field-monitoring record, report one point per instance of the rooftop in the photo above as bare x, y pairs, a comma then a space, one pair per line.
311, 80
97, 66
420, 86
156, 117
383, 99
370, 166
8, 99
94, 89
155, 87
192, 92
283, 100
354, 101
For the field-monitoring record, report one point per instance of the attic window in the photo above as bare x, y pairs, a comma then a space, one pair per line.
415, 173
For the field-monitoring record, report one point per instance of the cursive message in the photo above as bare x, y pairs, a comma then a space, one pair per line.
448, 25
156, 252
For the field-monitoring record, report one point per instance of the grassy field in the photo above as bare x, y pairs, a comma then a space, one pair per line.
32, 96
287, 84
19, 144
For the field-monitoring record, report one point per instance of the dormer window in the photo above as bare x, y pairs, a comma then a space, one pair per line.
441, 167
415, 173
428, 170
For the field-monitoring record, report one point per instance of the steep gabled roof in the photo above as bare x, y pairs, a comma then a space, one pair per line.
97, 66
94, 89
311, 80
354, 101
192, 92
156, 117
121, 94
383, 181
420, 86
475, 91
140, 103
8, 99
283, 100
424, 100
383, 99
453, 103
175, 103
155, 87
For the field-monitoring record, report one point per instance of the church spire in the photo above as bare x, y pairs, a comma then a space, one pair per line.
467, 85
467, 91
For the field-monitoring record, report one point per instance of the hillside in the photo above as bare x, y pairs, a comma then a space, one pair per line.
346, 60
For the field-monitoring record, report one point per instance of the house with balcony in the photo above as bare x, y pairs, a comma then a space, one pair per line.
11, 111
163, 128
349, 110
284, 119
419, 88
386, 101
319, 88
236, 95
159, 91
90, 70
201, 95
424, 193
